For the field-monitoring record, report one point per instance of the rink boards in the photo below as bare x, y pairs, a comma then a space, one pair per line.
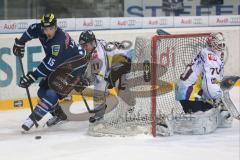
13, 97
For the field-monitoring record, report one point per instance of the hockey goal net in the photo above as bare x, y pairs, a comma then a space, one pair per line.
157, 64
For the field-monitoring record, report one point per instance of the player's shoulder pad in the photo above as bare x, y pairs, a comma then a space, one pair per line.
58, 42
35, 26
61, 37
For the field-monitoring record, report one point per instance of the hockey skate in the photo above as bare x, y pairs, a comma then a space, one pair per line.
164, 126
58, 116
28, 124
99, 114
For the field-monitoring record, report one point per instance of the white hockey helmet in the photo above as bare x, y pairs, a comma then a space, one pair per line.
216, 41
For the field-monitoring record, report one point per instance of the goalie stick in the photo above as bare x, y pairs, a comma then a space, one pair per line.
162, 32
226, 85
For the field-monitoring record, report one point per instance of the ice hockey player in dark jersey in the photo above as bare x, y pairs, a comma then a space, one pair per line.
58, 47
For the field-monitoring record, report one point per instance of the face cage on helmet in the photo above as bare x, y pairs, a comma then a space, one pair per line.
218, 46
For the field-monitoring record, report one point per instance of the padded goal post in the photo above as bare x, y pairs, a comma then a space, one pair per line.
157, 64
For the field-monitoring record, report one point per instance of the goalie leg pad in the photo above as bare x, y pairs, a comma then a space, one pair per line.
164, 126
225, 119
198, 123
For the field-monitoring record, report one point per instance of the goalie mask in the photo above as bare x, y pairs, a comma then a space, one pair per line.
216, 41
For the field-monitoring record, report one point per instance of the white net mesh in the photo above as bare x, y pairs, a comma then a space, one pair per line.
133, 114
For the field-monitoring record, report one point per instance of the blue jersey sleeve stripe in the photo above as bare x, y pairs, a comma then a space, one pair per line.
44, 75
47, 66
42, 70
29, 35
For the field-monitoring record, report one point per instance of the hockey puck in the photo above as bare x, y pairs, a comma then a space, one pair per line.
38, 137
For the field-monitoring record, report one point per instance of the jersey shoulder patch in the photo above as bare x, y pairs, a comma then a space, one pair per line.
55, 50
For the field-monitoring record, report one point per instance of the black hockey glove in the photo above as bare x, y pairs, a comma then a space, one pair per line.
18, 48
115, 73
84, 83
27, 80
228, 82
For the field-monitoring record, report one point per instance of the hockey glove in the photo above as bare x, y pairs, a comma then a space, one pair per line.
115, 73
27, 80
18, 48
228, 82
84, 83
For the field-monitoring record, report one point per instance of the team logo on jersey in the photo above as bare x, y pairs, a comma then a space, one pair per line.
55, 50
212, 57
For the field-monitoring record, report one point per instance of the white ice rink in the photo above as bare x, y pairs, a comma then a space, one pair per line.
69, 141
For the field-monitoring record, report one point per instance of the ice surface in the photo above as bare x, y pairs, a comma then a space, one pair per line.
69, 141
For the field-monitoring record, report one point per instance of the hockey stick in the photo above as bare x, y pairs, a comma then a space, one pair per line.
28, 94
229, 105
162, 32
87, 106
226, 85
85, 102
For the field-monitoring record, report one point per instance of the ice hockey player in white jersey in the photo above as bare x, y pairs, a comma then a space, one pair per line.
109, 62
198, 89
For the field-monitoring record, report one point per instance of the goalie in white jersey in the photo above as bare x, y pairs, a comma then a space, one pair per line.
198, 90
200, 80
110, 61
